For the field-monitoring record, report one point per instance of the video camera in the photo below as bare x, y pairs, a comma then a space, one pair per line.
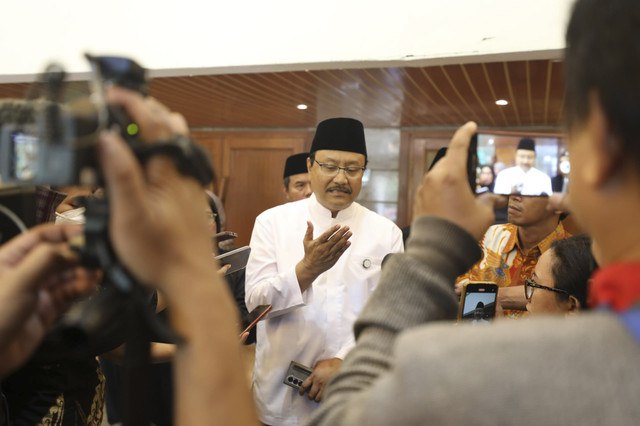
52, 141
48, 142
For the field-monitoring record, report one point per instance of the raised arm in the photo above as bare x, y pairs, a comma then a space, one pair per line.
157, 231
284, 288
416, 287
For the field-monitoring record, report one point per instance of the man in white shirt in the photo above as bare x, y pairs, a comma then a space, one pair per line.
296, 177
523, 178
316, 261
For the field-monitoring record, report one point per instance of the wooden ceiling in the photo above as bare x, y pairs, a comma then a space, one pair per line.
413, 97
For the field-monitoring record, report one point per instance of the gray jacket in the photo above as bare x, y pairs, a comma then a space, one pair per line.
409, 369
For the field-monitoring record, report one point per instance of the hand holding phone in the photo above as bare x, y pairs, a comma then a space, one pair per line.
478, 302
445, 191
472, 161
236, 258
253, 318
224, 236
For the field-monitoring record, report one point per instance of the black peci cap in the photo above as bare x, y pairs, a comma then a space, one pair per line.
340, 134
295, 164
528, 144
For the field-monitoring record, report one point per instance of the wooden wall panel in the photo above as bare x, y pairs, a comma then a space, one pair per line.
416, 153
249, 168
212, 142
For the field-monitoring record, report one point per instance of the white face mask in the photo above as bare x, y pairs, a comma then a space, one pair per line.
75, 216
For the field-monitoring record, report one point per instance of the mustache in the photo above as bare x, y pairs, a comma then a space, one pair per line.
340, 188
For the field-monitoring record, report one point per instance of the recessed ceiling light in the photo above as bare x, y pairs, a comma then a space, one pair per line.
302, 106
502, 102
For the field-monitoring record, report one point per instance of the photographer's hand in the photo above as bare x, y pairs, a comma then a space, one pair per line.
445, 192
39, 278
159, 233
155, 211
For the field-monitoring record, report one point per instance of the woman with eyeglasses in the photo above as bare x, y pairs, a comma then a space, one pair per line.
559, 282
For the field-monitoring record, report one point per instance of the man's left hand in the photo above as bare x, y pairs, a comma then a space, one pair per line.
316, 383
39, 278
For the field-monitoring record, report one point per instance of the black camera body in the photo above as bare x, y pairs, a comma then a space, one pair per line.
50, 142
53, 143
28, 156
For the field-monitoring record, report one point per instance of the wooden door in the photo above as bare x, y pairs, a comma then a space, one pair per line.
417, 151
249, 168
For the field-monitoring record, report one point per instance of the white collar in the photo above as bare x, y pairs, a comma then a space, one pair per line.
320, 212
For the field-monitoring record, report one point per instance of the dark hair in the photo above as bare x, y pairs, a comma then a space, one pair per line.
214, 210
572, 267
603, 56
286, 183
493, 174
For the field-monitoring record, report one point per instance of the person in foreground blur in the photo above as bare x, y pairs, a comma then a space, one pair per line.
316, 261
559, 282
537, 364
297, 184
156, 227
510, 251
523, 178
157, 220
59, 384
40, 277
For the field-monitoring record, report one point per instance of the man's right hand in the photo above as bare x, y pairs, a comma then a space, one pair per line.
322, 253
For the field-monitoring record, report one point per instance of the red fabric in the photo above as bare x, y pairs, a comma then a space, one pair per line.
616, 286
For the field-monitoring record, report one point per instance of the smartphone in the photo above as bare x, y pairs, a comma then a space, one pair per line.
236, 258
472, 161
296, 375
253, 318
224, 236
527, 166
478, 302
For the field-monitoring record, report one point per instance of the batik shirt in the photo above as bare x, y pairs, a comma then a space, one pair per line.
504, 261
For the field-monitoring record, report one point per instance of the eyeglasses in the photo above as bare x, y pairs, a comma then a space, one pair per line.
530, 284
331, 170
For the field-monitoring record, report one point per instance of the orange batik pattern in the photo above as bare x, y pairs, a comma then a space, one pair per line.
504, 262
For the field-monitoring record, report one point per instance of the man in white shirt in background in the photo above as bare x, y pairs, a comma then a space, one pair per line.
316, 261
296, 177
523, 178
